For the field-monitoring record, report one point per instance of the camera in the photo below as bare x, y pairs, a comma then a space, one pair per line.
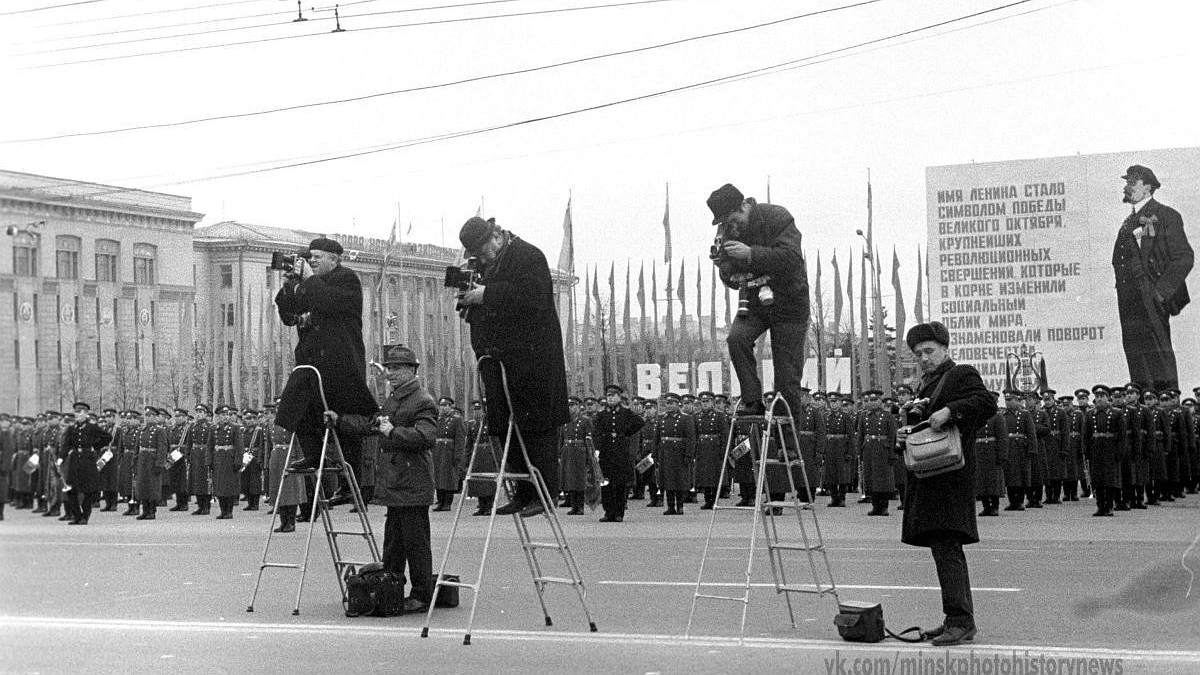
462, 278
285, 262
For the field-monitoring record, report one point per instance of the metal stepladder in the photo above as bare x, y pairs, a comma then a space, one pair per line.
502, 477
320, 507
772, 446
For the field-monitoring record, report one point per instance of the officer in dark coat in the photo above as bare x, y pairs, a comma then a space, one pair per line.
712, 432
839, 444
1106, 443
199, 444
575, 460
1151, 261
82, 444
177, 475
228, 447
514, 322
610, 433
151, 462
675, 439
486, 457
449, 454
876, 446
1022, 438
991, 447
940, 511
323, 300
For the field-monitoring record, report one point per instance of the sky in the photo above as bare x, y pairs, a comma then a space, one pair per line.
879, 87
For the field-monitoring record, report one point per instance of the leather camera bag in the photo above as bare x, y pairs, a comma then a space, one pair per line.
928, 452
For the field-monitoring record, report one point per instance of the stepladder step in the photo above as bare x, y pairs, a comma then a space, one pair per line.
796, 547
730, 598
542, 544
558, 580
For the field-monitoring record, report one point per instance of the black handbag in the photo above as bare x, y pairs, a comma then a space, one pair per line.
863, 622
928, 452
373, 591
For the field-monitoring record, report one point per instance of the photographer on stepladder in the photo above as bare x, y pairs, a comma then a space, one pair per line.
323, 300
757, 252
510, 308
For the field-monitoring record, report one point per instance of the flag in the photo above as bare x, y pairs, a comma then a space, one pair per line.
682, 301
654, 299
819, 325
919, 303
612, 324
585, 366
670, 317
641, 296
864, 346
566, 256
699, 305
712, 314
900, 318
601, 335
854, 356
837, 299
628, 372
883, 375
667, 226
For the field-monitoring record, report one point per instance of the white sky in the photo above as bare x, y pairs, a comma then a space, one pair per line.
1075, 76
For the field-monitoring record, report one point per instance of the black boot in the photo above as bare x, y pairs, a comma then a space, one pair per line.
484, 507
655, 499
1139, 498
879, 504
1015, 499
148, 510
251, 503
2, 511
670, 503
287, 519
710, 498
132, 509
181, 501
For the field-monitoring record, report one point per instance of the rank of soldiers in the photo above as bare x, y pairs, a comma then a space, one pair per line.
1125, 447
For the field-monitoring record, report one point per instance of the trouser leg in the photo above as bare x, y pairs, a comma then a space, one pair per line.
954, 579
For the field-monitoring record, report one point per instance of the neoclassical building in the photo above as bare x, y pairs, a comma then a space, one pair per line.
117, 298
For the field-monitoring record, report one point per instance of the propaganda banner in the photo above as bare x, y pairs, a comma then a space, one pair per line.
1046, 258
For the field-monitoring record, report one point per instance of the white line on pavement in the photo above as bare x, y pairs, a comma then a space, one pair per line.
766, 585
805, 644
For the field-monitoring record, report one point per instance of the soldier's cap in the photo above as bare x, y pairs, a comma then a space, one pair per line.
203, 408
270, 405
724, 201
1149, 392
873, 392
223, 408
639, 399
1189, 401
705, 394
1082, 393
133, 413
1142, 173
650, 403
924, 332
833, 395
1117, 390
819, 394
109, 411
399, 355
613, 389
446, 400
4, 416
325, 244
888, 399
180, 411
805, 390
475, 232
476, 403
671, 396
591, 399
51, 413
1133, 385
1064, 399
574, 400
1101, 389
1009, 392
903, 388
688, 397
80, 405
1048, 391
721, 397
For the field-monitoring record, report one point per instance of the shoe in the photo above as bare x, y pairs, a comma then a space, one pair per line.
618, 519
483, 512
1122, 506
607, 519
575, 512
745, 502
62, 517
1014, 507
510, 508
654, 503
707, 506
864, 500
181, 507
441, 507
670, 512
413, 606
341, 498
77, 522
1034, 505
225, 516
286, 527
529, 511
952, 635
1138, 505
302, 466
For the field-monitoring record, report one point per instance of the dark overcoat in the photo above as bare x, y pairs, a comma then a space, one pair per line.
151, 463
404, 476
83, 444
8, 448
675, 439
991, 448
199, 444
327, 313
287, 488
1105, 444
228, 446
775, 245
712, 433
839, 444
946, 502
876, 444
109, 477
610, 433
450, 452
486, 458
518, 324
574, 448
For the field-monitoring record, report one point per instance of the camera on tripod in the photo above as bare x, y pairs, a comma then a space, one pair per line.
462, 278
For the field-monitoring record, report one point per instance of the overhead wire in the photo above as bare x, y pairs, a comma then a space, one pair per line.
840, 52
344, 19
30, 10
395, 92
243, 17
173, 10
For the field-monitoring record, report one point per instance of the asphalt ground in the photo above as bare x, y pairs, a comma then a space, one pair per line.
1055, 591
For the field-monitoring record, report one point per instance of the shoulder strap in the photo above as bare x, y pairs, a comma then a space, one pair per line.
920, 635
938, 389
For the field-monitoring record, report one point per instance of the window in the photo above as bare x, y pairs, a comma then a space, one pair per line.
230, 314
144, 264
25, 255
108, 252
66, 257
226, 276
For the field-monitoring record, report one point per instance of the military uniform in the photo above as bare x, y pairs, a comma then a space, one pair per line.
151, 464
228, 447
449, 456
82, 444
1037, 459
712, 432
991, 449
647, 478
875, 437
199, 444
109, 476
1151, 467
1022, 449
128, 461
1073, 468
177, 475
839, 444
611, 431
486, 458
575, 460
256, 443
675, 439
1105, 442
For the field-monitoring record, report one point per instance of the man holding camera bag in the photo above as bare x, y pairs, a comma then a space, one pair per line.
323, 300
939, 510
514, 321
758, 253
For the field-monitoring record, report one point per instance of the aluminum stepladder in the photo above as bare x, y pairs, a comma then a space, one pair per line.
320, 506
765, 435
502, 477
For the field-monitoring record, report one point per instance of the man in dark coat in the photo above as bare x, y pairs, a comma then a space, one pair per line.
610, 432
760, 250
323, 300
940, 510
404, 480
1105, 443
151, 463
514, 322
82, 444
1151, 261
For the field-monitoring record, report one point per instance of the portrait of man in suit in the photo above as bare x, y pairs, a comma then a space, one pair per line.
1151, 261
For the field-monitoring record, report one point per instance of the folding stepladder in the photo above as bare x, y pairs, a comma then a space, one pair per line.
505, 478
320, 506
768, 440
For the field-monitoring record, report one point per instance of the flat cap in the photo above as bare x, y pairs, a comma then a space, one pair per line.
1142, 173
723, 201
475, 232
924, 332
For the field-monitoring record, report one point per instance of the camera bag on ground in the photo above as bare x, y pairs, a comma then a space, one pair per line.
447, 596
373, 591
863, 622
